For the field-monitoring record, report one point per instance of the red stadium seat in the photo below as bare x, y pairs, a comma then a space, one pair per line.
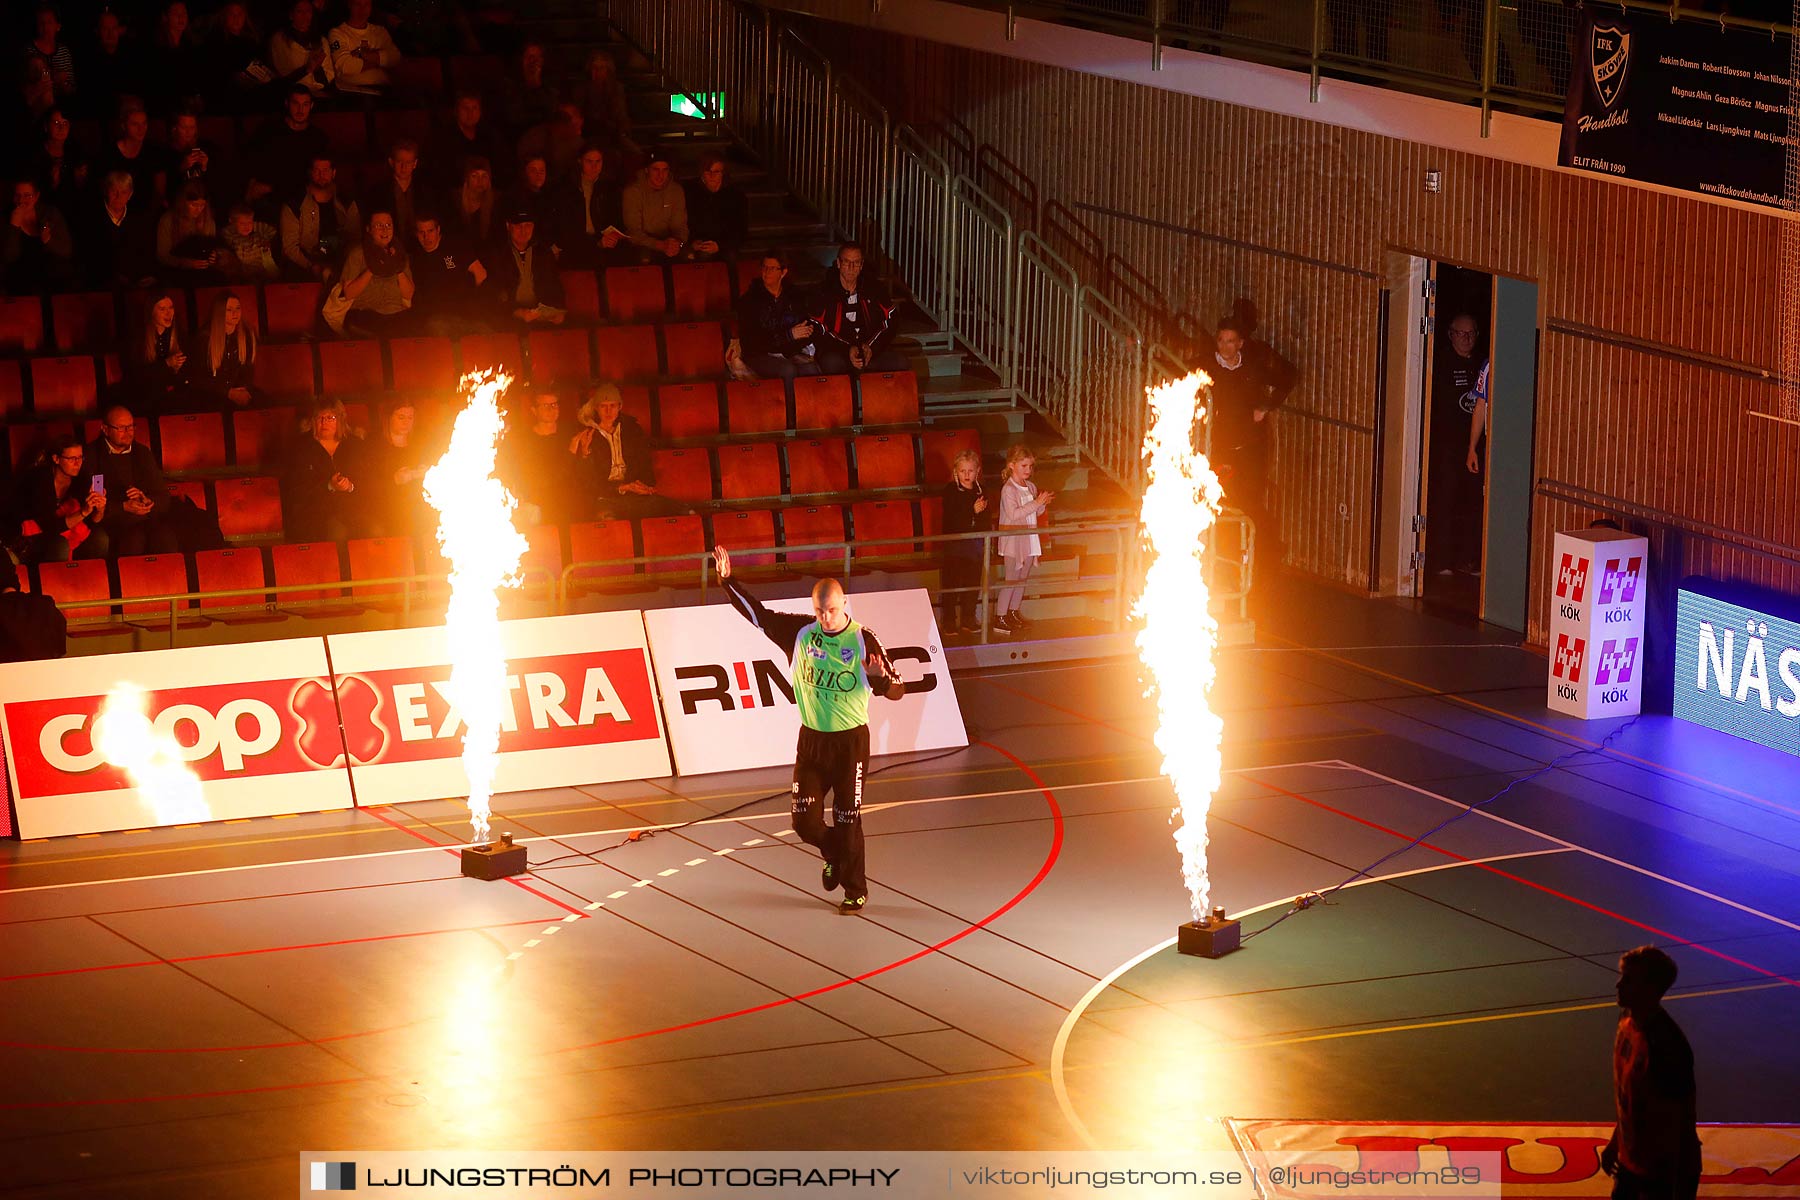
931, 515
626, 352
380, 558
599, 547
306, 562
83, 321
229, 570
562, 356
285, 372
12, 390
816, 523
83, 579
26, 440
637, 401
542, 564
347, 132
695, 350
749, 471
203, 302
688, 410
885, 460
817, 466
61, 386
153, 575
877, 519
482, 351
890, 398
192, 442
756, 406
749, 270
351, 368
249, 507
476, 72
423, 364
22, 573
664, 536
941, 447
393, 124
684, 475
21, 324
823, 402
581, 294
633, 293
111, 375
291, 309
257, 435
191, 490
746, 530
700, 289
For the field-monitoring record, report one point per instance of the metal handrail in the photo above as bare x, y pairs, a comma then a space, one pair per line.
1736, 539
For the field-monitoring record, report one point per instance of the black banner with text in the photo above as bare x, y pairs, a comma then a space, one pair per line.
1683, 104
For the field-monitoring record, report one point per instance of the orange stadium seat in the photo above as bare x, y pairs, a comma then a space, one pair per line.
814, 523
249, 507
83, 579
700, 289
756, 406
481, 351
61, 386
890, 398
749, 471
380, 558
823, 402
744, 530
423, 364
153, 575
285, 372
192, 490
602, 545
877, 519
749, 270
670, 536
21, 324
941, 447
817, 466
885, 460
931, 515
542, 563
694, 350
192, 441
228, 570
257, 435
637, 402
12, 390
626, 352
684, 475
581, 293
633, 293
562, 356
306, 562
351, 368
83, 321
688, 410
290, 309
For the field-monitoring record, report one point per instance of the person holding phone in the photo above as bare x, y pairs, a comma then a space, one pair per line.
138, 521
62, 510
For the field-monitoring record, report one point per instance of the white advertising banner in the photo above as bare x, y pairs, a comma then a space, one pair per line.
729, 704
257, 730
1598, 593
581, 708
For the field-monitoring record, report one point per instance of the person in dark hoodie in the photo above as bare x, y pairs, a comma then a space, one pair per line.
856, 319
718, 213
779, 339
31, 626
1250, 380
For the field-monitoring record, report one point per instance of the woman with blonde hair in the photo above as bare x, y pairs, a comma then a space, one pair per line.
965, 511
156, 358
228, 354
319, 500
1020, 506
472, 203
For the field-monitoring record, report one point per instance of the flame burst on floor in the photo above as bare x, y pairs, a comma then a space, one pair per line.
1180, 637
476, 533
126, 738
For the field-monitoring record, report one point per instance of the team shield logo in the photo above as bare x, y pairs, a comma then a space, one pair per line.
1609, 49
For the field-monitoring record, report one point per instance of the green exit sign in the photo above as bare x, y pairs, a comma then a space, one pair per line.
713, 102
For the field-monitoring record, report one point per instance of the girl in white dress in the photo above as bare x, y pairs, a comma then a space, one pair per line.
1020, 505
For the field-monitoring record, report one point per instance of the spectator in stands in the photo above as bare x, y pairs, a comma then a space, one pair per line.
117, 245
587, 228
965, 511
394, 471
48, 47
319, 500
526, 284
233, 56
155, 358
279, 153
137, 513
174, 68
298, 52
60, 514
226, 367
399, 193
558, 139
618, 450
362, 51
58, 165
779, 341
447, 278
376, 280
855, 318
1021, 504
112, 69
539, 467
472, 201
131, 152
252, 246
467, 137
718, 212
1250, 380
656, 212
35, 247
36, 96
531, 194
316, 224
606, 116
188, 246
31, 626
529, 99
186, 156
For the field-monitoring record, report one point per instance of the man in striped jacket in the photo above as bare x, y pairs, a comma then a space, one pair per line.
855, 319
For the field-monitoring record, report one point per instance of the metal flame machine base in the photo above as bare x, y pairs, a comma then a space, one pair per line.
494, 860
1214, 937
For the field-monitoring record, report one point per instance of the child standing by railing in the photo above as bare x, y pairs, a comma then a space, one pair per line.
965, 511
1020, 504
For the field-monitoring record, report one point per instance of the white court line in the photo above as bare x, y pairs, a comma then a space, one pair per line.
1061, 1044
1550, 837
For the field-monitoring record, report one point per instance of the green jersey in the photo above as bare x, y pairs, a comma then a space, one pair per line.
830, 670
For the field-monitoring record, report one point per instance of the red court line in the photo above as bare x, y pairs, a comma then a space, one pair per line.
157, 962
1546, 889
250, 1091
457, 850
1043, 873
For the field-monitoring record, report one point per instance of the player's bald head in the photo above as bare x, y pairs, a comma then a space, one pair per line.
825, 589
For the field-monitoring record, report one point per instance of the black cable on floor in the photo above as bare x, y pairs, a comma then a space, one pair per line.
1312, 899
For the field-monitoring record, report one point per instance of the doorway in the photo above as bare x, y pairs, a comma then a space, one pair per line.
1462, 320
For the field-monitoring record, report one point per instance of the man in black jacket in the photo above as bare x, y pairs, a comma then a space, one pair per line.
31, 626
855, 319
1250, 380
523, 276
117, 245
137, 521
584, 210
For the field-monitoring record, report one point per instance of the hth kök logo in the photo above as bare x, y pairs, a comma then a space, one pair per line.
1620, 580
1571, 579
1566, 662
1616, 661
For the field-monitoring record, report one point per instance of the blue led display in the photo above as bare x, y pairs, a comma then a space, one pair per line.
1737, 668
